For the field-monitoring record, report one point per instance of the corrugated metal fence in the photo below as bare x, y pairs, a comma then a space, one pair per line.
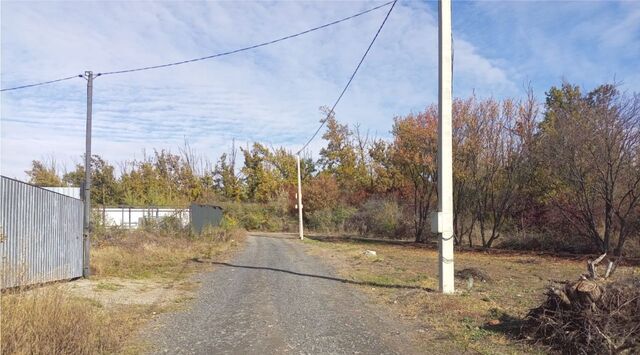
41, 237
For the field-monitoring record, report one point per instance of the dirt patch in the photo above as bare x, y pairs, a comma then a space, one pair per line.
472, 272
111, 292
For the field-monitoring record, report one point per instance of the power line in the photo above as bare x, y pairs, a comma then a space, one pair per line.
210, 56
42, 83
249, 47
350, 79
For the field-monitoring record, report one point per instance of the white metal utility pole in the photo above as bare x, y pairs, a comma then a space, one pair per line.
86, 237
299, 194
442, 221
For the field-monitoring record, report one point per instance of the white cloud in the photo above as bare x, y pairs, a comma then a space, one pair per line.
271, 94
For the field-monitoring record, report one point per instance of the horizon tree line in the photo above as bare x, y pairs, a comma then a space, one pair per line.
568, 167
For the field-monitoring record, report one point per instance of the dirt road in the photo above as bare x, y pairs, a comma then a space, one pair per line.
273, 298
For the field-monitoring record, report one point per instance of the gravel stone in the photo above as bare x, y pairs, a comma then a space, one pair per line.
274, 298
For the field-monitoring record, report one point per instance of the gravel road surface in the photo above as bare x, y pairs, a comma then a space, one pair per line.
273, 298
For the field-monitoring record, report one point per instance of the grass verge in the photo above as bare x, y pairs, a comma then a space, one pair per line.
149, 254
481, 318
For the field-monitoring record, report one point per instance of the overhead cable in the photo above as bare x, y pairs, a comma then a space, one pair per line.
348, 82
42, 83
210, 56
249, 47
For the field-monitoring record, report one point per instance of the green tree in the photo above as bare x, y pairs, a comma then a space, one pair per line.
105, 189
262, 180
339, 156
225, 179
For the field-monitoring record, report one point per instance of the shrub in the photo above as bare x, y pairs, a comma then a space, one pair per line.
380, 218
166, 226
331, 219
321, 220
272, 217
545, 241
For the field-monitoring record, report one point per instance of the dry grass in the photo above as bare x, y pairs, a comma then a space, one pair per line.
54, 320
141, 254
50, 321
476, 320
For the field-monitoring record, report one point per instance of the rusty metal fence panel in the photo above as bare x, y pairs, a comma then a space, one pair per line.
41, 238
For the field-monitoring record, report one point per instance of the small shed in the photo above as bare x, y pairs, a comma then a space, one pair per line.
204, 216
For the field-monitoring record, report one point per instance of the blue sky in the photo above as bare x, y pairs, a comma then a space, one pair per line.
273, 94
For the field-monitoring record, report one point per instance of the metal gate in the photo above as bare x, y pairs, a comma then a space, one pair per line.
204, 216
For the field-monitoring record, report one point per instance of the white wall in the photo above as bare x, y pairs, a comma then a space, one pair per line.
130, 217
68, 191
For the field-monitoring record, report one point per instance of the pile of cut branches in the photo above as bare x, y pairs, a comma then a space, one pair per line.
590, 316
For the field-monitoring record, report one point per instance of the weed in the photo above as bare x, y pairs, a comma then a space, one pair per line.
50, 321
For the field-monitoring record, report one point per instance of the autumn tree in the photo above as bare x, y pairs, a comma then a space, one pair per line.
75, 177
492, 143
339, 157
468, 128
590, 146
414, 155
385, 175
320, 192
161, 179
500, 177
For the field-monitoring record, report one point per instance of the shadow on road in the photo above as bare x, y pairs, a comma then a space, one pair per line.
362, 283
275, 235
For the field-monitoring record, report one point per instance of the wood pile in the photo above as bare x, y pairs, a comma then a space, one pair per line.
592, 315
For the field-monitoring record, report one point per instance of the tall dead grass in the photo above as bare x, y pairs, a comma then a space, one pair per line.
147, 254
49, 321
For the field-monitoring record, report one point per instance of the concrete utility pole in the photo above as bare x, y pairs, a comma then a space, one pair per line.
86, 241
300, 226
442, 221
